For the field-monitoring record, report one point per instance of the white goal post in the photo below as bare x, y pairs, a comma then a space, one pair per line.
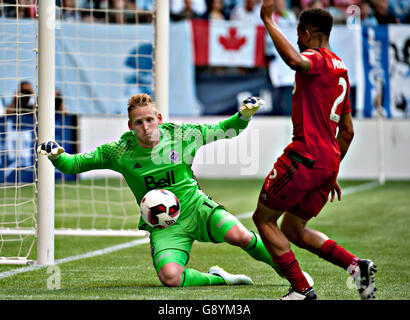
92, 85
46, 129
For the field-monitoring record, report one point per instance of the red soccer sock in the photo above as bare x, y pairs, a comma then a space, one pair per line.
289, 266
337, 255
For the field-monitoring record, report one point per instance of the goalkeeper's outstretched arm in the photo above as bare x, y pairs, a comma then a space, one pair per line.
247, 110
232, 126
71, 163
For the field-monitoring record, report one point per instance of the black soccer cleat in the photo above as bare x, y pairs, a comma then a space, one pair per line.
365, 279
309, 294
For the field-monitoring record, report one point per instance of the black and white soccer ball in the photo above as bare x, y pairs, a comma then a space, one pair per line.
160, 208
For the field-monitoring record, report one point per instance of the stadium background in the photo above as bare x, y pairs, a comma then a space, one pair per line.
376, 55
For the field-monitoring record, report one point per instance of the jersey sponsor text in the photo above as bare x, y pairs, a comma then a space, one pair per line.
167, 181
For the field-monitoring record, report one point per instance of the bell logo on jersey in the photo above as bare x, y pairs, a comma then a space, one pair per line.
167, 181
338, 64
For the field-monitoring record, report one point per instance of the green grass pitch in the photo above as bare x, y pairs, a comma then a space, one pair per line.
371, 224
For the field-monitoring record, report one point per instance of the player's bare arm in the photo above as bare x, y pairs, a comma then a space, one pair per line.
344, 137
345, 134
286, 50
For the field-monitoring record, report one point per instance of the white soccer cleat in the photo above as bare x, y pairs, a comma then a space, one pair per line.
294, 295
364, 273
230, 279
308, 295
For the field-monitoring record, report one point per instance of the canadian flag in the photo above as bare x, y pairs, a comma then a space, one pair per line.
228, 43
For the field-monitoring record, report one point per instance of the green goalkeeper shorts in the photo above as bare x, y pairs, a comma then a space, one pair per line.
208, 222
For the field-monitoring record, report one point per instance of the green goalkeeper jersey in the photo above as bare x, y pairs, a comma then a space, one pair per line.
166, 166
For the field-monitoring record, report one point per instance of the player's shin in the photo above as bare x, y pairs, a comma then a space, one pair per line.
226, 227
194, 278
256, 249
336, 254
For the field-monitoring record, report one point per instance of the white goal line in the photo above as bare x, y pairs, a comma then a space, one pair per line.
76, 232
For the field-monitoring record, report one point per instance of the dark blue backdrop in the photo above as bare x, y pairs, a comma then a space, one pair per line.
17, 148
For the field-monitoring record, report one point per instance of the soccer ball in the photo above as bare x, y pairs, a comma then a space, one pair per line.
160, 208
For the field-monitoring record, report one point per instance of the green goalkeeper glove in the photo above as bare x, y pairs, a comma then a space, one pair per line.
249, 106
51, 149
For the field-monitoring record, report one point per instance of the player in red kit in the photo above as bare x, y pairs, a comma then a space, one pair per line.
306, 173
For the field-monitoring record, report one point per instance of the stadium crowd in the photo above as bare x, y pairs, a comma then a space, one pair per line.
372, 12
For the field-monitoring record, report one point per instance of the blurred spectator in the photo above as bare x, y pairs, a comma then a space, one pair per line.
231, 4
339, 15
187, 12
132, 11
338, 12
124, 11
317, 4
344, 4
283, 16
215, 9
145, 5
92, 10
20, 8
294, 5
23, 101
366, 14
58, 101
305, 4
382, 14
248, 12
401, 9
197, 6
29, 8
68, 11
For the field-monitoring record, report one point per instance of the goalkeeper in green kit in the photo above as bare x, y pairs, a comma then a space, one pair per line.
156, 155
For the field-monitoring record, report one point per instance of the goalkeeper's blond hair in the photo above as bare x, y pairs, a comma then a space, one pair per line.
141, 100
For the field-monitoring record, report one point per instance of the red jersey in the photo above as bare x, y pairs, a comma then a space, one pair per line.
320, 96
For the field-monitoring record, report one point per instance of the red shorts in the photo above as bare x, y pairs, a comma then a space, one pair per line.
297, 188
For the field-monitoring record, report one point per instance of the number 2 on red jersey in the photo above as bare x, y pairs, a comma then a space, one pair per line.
333, 115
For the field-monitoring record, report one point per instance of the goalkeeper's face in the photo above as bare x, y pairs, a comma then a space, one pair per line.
145, 121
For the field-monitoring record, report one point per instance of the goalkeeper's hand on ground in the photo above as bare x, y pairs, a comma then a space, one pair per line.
249, 106
51, 149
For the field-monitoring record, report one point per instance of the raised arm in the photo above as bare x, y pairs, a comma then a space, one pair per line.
285, 48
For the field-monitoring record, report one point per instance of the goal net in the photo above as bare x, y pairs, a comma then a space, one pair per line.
103, 54
18, 134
